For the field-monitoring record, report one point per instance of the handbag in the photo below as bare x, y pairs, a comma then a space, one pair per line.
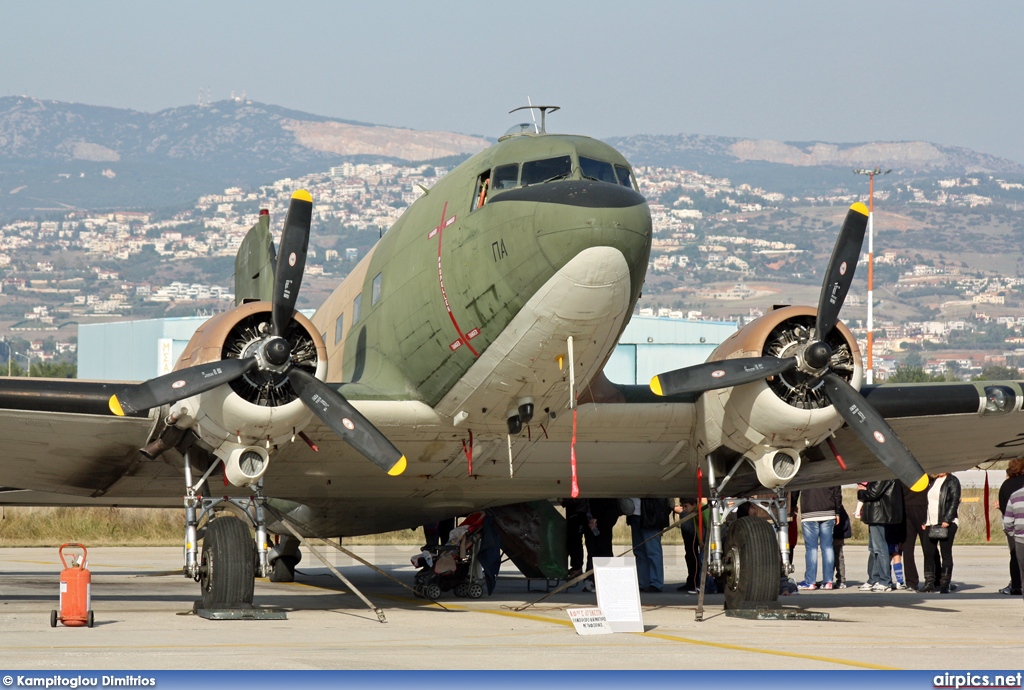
938, 533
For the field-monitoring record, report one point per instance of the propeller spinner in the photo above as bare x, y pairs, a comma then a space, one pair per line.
814, 360
274, 356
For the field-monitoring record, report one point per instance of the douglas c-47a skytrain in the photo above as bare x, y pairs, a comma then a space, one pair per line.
459, 364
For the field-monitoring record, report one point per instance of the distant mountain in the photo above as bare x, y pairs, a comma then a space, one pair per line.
57, 155
806, 167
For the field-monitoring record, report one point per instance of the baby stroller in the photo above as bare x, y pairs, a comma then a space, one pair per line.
453, 565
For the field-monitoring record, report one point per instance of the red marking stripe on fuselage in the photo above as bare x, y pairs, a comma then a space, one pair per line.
445, 222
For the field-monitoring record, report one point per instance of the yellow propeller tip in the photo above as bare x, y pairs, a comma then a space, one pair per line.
860, 208
115, 406
921, 484
398, 467
656, 386
303, 195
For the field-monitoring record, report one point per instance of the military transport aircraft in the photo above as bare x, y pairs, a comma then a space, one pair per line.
459, 367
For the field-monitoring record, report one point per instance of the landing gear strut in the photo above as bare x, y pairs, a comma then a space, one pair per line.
755, 553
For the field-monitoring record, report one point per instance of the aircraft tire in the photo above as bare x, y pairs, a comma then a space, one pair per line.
752, 565
284, 569
228, 576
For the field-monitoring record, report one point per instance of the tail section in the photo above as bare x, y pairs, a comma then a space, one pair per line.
255, 263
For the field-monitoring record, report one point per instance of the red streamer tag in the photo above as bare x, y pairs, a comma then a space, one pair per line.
988, 522
700, 508
572, 458
469, 452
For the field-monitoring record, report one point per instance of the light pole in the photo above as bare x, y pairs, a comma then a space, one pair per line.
28, 362
869, 373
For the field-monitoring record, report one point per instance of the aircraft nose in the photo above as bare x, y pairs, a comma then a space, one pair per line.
573, 215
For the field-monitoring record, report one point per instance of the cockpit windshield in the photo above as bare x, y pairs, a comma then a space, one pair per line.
597, 170
505, 177
625, 177
546, 170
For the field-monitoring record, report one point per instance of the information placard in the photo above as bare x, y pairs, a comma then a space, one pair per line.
618, 593
589, 621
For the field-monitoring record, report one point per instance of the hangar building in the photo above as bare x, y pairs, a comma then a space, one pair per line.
140, 350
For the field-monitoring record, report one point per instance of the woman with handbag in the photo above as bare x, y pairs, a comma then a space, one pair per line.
940, 531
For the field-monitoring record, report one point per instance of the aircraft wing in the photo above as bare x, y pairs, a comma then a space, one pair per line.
62, 447
58, 436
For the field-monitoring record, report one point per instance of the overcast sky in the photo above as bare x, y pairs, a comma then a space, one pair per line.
944, 72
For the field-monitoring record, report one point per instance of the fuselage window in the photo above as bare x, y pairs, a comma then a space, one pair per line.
547, 170
505, 177
356, 305
375, 294
625, 177
339, 329
597, 170
483, 183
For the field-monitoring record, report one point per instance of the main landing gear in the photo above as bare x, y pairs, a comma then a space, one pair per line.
230, 559
755, 553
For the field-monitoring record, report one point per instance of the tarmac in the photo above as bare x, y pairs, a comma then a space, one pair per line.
144, 620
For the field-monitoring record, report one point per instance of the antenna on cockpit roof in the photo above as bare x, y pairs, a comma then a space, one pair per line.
544, 110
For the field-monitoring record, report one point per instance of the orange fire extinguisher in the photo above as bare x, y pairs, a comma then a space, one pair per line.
75, 591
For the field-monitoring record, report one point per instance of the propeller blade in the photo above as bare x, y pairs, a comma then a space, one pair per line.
841, 267
872, 429
337, 413
291, 259
721, 374
178, 385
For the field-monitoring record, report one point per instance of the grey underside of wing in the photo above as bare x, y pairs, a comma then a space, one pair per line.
74, 454
940, 443
621, 450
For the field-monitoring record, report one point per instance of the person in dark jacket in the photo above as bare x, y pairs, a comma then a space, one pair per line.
650, 517
883, 505
602, 514
915, 505
843, 531
819, 514
943, 505
1014, 480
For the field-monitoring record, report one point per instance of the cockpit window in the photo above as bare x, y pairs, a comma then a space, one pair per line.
546, 170
625, 177
597, 170
505, 177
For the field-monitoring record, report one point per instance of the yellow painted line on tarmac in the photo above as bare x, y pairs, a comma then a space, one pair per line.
662, 636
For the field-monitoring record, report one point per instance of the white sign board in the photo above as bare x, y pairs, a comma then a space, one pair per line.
589, 622
618, 593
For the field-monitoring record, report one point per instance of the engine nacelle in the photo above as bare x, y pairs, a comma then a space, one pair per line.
259, 410
786, 413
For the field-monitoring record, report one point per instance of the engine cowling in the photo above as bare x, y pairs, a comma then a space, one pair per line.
258, 410
787, 411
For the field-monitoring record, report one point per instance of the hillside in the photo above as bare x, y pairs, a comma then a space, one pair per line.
56, 156
808, 168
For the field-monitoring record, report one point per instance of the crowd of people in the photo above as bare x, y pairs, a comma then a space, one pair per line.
897, 520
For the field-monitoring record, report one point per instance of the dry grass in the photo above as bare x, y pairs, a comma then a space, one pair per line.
165, 527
